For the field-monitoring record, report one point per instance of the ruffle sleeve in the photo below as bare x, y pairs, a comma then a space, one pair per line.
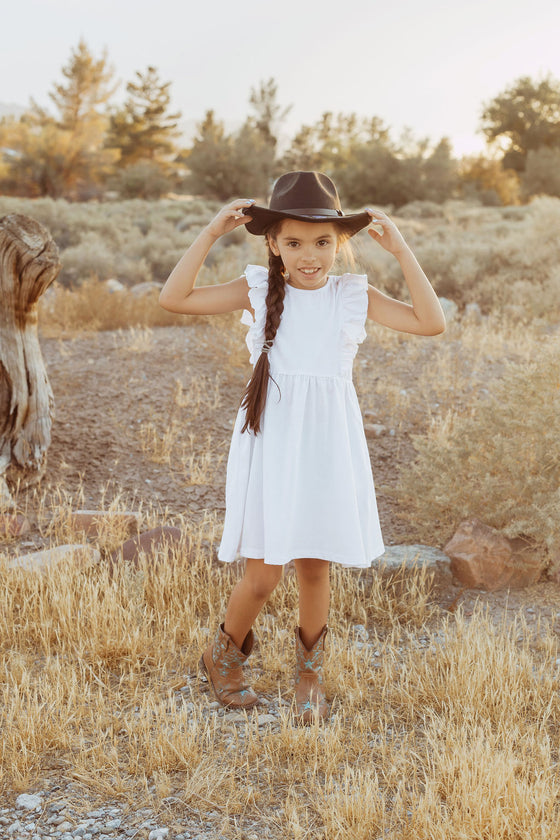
354, 313
257, 279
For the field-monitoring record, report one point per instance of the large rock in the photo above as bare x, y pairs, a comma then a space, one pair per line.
483, 558
157, 544
95, 522
416, 556
40, 561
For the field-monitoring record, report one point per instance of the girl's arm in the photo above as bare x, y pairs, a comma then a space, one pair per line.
179, 294
425, 315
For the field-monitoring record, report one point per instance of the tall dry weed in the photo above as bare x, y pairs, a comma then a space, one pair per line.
439, 728
499, 461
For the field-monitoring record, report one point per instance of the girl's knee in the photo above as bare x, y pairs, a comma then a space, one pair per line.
262, 579
312, 570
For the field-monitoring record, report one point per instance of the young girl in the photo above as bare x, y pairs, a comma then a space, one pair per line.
299, 484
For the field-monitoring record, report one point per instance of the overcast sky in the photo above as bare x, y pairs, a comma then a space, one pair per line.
425, 64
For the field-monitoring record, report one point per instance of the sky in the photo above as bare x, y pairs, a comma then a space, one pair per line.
426, 65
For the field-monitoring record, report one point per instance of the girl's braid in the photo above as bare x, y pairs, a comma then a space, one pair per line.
254, 397
275, 296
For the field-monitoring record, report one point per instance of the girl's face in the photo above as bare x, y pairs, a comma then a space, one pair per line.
308, 251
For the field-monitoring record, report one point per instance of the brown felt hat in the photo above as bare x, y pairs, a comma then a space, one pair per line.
308, 197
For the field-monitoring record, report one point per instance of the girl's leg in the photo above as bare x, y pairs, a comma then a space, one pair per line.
248, 598
314, 596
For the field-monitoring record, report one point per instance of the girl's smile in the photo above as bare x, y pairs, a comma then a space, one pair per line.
308, 251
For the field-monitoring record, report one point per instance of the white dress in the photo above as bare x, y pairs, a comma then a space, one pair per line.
303, 486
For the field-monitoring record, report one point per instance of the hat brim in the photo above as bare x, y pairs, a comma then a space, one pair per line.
262, 219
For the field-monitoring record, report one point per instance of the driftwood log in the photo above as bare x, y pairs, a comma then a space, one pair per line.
29, 262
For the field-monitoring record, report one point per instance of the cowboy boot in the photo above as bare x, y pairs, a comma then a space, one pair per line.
222, 662
310, 696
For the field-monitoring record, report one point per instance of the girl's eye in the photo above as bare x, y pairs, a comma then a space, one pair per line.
290, 244
323, 242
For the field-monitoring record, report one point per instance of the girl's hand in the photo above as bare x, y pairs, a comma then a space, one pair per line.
230, 217
391, 239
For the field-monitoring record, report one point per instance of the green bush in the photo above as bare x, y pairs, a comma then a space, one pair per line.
143, 179
542, 172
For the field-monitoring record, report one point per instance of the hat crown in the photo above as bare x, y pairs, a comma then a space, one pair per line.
302, 190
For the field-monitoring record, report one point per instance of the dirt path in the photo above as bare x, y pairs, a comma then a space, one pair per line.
112, 387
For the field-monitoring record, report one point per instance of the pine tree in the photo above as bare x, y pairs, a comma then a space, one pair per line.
79, 101
209, 160
63, 154
268, 113
143, 129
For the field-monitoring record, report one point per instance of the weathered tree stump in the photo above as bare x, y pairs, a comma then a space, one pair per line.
29, 263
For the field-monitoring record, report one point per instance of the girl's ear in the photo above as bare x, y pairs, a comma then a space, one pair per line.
273, 246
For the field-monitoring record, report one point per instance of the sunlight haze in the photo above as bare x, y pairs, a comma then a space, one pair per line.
428, 66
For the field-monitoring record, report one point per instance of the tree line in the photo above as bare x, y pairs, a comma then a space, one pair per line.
87, 148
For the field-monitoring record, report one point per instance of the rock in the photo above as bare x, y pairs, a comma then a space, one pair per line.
157, 544
94, 522
150, 287
113, 285
360, 633
483, 558
450, 308
416, 556
112, 825
235, 717
16, 826
374, 430
158, 834
14, 525
29, 801
473, 313
264, 719
40, 561
412, 557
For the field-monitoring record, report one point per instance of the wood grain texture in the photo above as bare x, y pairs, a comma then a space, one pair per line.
29, 263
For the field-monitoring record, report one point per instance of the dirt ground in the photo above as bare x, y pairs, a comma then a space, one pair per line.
109, 385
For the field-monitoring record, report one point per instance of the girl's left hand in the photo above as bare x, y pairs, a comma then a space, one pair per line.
391, 239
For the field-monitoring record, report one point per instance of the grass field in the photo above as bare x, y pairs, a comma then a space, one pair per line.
443, 725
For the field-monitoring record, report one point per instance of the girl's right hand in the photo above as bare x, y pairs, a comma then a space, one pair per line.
230, 217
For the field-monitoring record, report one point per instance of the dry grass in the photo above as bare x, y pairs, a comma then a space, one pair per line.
496, 457
440, 728
167, 438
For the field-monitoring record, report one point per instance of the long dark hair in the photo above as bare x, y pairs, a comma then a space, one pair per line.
254, 396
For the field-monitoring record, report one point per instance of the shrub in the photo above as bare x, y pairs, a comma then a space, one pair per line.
144, 179
499, 462
542, 172
488, 181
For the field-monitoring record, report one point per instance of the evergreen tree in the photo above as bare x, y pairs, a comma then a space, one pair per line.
440, 172
87, 90
268, 113
143, 129
209, 160
62, 154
